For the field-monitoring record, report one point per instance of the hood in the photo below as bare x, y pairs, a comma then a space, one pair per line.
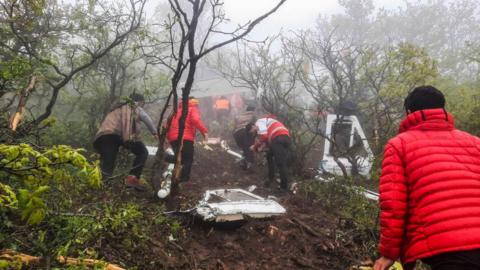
431, 119
191, 102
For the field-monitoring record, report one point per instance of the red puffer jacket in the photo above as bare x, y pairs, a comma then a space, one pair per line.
429, 189
192, 123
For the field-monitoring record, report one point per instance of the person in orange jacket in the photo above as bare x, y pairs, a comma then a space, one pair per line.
193, 122
222, 109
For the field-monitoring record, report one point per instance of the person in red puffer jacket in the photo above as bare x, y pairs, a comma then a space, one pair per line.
430, 189
192, 123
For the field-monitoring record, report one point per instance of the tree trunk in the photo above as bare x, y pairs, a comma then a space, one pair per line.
17, 117
181, 125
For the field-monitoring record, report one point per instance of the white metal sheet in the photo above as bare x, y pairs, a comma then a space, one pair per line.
236, 204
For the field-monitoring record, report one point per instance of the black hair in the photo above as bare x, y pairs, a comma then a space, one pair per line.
424, 97
136, 97
133, 96
250, 108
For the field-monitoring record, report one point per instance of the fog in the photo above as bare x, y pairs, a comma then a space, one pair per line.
293, 15
74, 75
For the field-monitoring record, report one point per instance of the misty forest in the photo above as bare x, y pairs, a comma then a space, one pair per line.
79, 79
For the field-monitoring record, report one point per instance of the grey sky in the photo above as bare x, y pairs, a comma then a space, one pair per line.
293, 15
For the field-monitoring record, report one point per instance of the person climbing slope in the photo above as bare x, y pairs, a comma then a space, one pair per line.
121, 128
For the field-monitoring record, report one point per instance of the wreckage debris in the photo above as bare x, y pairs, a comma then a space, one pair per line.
233, 205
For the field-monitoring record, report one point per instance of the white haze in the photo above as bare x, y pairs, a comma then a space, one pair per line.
293, 15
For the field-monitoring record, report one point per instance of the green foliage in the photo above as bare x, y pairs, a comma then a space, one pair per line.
110, 222
17, 67
394, 70
409, 66
75, 234
8, 198
119, 219
174, 225
339, 197
74, 133
388, 74
15, 264
463, 101
34, 176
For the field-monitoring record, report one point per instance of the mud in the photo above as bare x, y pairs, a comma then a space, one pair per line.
305, 238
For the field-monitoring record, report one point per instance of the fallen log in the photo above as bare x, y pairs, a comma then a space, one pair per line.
302, 262
12, 255
307, 228
88, 262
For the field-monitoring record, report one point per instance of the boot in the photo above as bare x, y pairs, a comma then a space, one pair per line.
133, 182
243, 164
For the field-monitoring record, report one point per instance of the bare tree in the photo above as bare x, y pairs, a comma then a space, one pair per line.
364, 80
73, 40
331, 79
250, 65
273, 78
189, 44
388, 74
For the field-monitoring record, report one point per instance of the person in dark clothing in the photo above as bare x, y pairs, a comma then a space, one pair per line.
465, 260
278, 156
244, 139
187, 158
120, 128
274, 135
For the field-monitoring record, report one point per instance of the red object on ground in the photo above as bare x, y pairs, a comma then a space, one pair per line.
133, 182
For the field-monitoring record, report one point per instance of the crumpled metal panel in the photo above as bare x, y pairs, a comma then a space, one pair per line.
235, 204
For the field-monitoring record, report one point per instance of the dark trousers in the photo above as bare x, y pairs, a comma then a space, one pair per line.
278, 155
465, 260
222, 116
187, 158
244, 140
107, 146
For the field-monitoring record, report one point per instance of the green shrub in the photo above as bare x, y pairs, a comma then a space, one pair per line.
35, 181
356, 213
